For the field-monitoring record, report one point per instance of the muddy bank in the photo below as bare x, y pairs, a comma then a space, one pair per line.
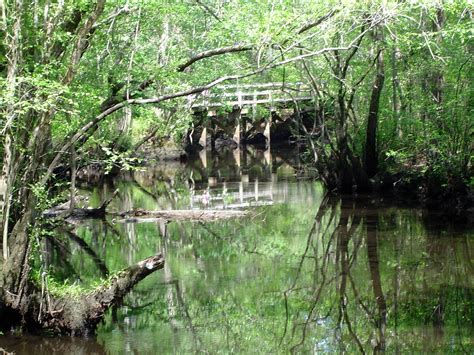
453, 198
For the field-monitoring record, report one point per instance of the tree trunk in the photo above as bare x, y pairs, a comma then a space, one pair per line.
395, 99
437, 78
371, 155
8, 169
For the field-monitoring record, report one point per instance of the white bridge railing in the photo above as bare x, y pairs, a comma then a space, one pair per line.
250, 94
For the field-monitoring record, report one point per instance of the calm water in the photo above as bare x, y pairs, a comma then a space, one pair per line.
304, 273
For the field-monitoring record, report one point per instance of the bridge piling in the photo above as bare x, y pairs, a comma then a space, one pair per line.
203, 157
236, 154
236, 136
203, 138
266, 132
236, 116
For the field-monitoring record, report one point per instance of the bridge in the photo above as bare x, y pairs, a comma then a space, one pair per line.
249, 95
242, 101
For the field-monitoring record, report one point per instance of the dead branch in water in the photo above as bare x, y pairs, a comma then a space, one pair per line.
140, 215
65, 211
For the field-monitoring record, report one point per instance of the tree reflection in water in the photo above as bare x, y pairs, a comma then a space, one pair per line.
309, 273
350, 295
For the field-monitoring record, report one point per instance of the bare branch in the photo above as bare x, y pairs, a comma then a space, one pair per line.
208, 9
215, 52
317, 22
120, 11
353, 52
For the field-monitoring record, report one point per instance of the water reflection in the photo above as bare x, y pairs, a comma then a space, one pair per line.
377, 283
305, 273
232, 179
27, 344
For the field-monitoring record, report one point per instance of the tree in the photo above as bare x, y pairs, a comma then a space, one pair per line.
363, 141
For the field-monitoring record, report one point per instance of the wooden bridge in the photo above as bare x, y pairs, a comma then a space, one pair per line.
243, 99
241, 96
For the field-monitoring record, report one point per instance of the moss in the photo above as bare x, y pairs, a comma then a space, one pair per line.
65, 289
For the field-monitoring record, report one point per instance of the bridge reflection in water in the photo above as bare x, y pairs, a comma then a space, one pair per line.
329, 275
235, 179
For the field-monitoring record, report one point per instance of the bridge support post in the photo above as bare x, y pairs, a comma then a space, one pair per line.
203, 138
203, 157
236, 136
268, 157
212, 181
236, 116
236, 154
266, 132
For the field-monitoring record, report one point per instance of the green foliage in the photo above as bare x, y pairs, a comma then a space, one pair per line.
58, 289
44, 197
66, 288
427, 67
124, 161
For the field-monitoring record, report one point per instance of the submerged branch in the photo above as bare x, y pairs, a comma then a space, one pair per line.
139, 215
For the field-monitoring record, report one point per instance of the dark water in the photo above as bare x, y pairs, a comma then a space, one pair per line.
304, 273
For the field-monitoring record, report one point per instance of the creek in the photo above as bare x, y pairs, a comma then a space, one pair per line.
304, 272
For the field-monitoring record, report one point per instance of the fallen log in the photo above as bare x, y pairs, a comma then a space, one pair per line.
140, 215
64, 210
75, 213
76, 315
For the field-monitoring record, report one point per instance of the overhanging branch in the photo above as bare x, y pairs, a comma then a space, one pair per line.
317, 22
214, 52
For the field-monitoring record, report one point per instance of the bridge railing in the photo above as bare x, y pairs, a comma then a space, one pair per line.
250, 94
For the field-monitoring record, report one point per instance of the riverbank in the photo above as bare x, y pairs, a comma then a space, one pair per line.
412, 183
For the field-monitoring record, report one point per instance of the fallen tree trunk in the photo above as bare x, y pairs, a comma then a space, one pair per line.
139, 215
75, 315
76, 213
64, 210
